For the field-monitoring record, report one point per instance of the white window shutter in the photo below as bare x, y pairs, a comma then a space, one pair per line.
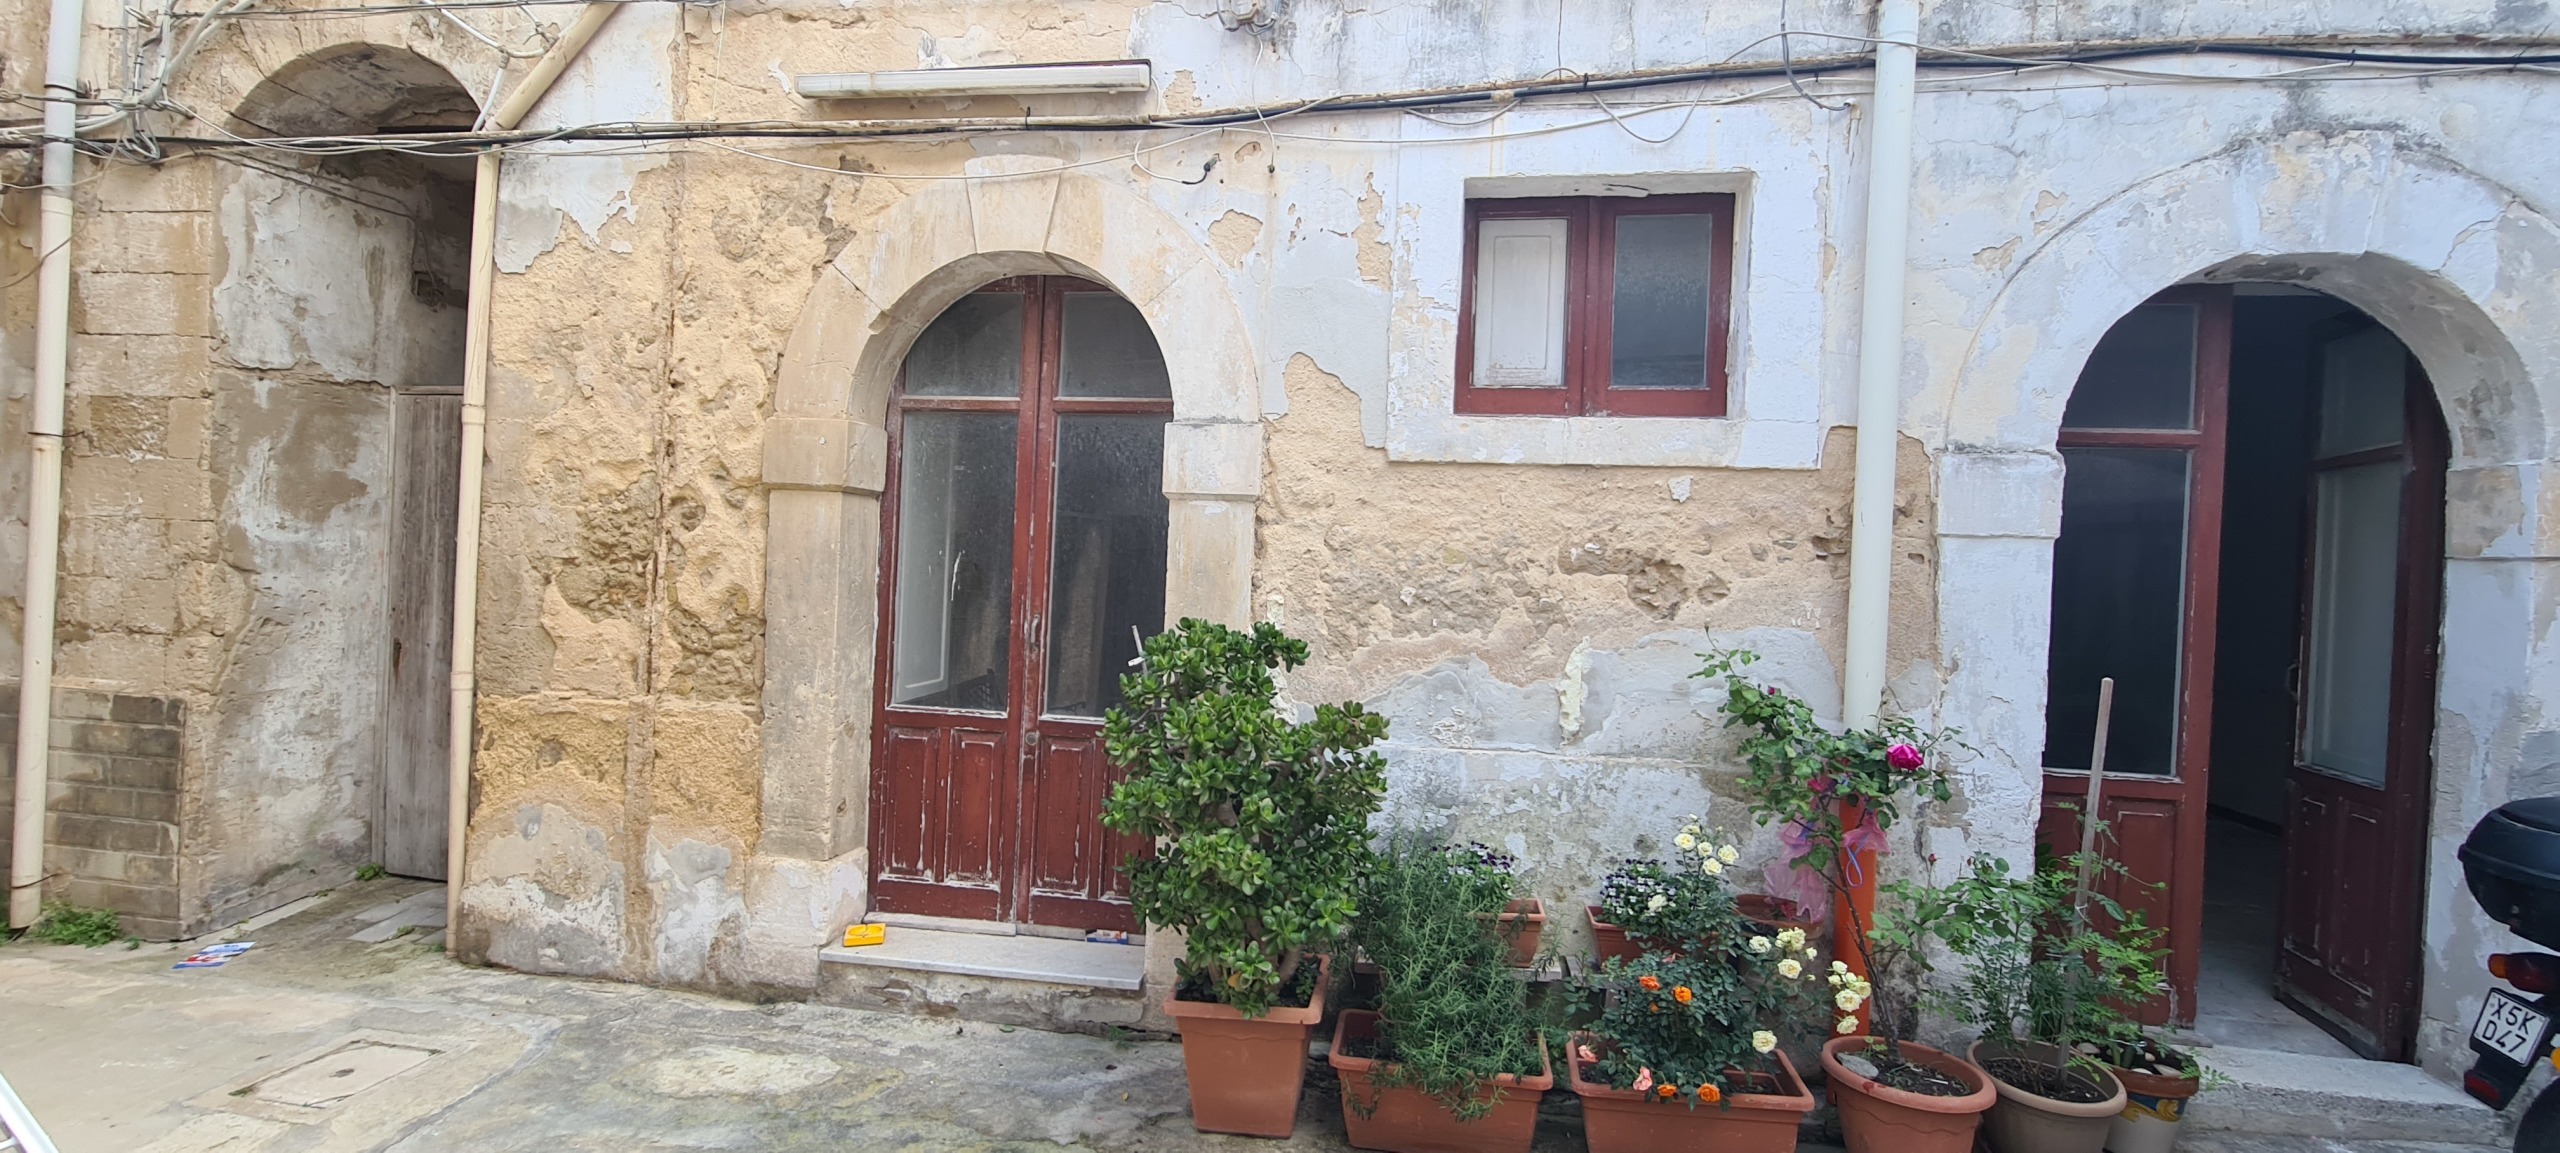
1520, 303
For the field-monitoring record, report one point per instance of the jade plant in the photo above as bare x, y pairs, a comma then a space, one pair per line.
1451, 1016
1259, 822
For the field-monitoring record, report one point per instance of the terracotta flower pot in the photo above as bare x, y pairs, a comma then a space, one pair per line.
1775, 913
2154, 1105
1625, 1121
1245, 1074
1611, 941
1882, 1119
2028, 1122
1530, 914
1407, 1120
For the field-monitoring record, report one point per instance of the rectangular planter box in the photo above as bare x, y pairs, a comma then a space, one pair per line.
1623, 1121
1405, 1120
1244, 1074
1530, 914
1610, 941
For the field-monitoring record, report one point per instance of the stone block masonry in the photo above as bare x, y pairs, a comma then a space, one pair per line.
111, 829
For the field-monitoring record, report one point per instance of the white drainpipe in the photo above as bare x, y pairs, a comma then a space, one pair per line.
475, 420
1880, 360
44, 466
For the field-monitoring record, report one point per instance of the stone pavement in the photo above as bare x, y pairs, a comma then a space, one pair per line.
117, 1052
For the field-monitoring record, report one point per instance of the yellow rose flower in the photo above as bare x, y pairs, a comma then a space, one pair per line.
1729, 855
1847, 1026
1789, 968
1764, 1040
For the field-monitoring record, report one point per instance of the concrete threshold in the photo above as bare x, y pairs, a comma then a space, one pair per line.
1048, 960
2340, 1097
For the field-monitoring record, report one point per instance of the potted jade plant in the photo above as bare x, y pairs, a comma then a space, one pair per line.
1685, 1053
1449, 1060
2047, 986
1260, 827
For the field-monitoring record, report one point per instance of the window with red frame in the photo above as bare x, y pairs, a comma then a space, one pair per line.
1596, 306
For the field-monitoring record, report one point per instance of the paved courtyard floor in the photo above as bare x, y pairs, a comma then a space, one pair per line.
345, 1028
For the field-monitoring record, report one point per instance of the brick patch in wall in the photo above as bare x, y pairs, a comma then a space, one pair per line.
111, 803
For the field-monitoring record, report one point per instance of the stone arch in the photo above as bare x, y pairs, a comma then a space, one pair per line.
356, 86
2416, 241
825, 450
2453, 263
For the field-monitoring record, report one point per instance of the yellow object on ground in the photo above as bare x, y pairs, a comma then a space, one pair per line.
865, 935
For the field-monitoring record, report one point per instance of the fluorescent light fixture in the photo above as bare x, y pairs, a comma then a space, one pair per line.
1002, 79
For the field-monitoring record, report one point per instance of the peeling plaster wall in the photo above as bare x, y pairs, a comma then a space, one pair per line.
1522, 598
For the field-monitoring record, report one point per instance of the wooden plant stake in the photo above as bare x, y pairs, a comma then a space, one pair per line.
2089, 816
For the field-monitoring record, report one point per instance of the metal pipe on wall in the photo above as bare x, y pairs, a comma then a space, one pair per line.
475, 420
1880, 360
44, 466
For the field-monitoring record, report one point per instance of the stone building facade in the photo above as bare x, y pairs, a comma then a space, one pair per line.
696, 348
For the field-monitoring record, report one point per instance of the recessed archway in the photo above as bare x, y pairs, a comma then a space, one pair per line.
2438, 254
337, 307
825, 456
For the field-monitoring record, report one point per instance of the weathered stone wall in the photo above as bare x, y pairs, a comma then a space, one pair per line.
1523, 598
112, 804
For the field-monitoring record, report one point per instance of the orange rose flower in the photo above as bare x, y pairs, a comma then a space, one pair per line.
1681, 994
1710, 1094
1667, 1091
1650, 982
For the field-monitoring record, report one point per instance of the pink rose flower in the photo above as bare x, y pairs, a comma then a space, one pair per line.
1903, 757
1644, 1080
1821, 786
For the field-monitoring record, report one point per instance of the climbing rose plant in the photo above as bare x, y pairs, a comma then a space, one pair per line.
1798, 772
1260, 822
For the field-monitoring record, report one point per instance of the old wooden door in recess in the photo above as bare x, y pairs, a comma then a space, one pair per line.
2355, 823
427, 465
2134, 576
1024, 550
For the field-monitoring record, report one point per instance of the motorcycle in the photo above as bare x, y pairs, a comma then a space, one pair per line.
2511, 863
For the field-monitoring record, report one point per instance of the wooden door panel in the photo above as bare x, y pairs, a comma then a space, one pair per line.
1066, 787
906, 781
973, 807
1076, 875
427, 472
2141, 834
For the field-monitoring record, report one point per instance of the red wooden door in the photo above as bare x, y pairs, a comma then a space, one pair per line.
1024, 551
2356, 816
2134, 581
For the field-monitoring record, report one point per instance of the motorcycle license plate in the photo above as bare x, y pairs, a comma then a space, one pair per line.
2511, 1027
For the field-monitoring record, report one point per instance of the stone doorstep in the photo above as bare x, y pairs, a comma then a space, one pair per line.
2341, 1097
1035, 982
1047, 960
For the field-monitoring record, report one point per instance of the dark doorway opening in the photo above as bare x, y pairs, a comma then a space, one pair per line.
2251, 546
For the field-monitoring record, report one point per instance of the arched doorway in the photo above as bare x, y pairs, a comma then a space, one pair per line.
1024, 550
339, 318
2252, 547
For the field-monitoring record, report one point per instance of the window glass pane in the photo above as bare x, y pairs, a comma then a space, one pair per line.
973, 349
2119, 580
2355, 565
1107, 350
2361, 381
1108, 567
2142, 374
954, 600
1519, 303
1658, 301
